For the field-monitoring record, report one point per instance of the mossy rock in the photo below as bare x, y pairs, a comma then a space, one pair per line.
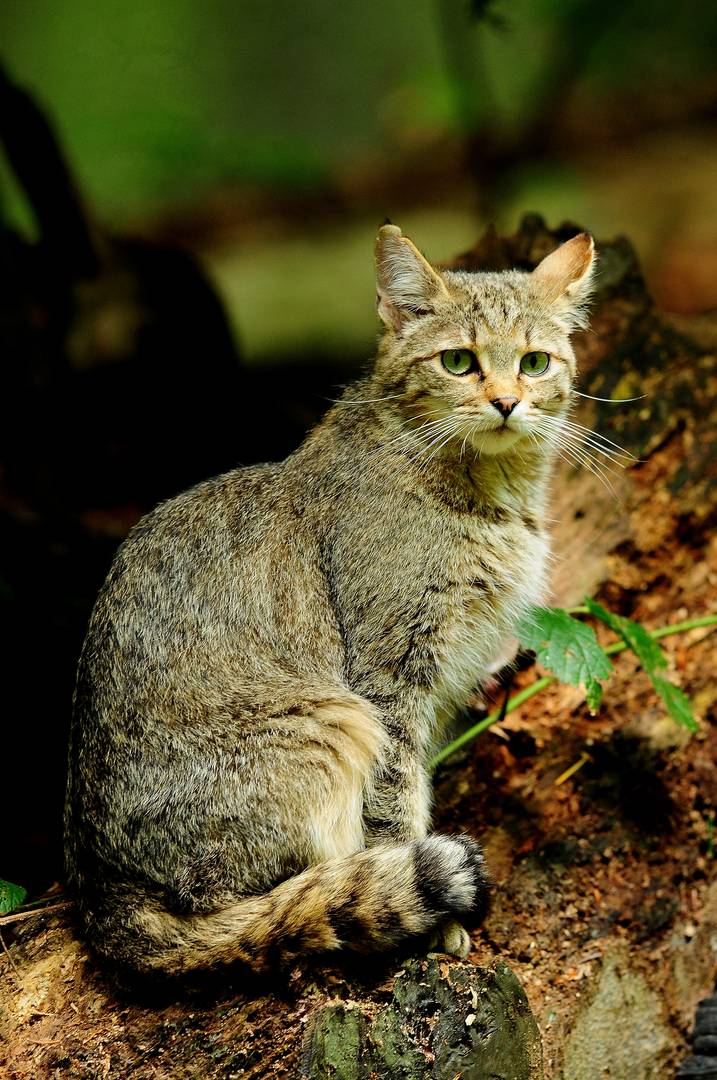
446, 1019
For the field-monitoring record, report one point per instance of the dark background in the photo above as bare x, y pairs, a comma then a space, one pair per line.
186, 249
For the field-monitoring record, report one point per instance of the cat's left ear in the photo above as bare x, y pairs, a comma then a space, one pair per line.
407, 286
565, 276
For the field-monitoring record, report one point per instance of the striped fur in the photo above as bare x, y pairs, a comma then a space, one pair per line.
275, 653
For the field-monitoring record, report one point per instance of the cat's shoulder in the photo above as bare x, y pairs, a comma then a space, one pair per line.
233, 501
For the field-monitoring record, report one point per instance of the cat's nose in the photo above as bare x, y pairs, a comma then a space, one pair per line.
505, 405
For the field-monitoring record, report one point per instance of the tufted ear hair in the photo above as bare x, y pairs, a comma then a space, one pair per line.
565, 277
407, 286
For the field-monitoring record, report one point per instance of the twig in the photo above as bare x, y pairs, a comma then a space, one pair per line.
41, 901
18, 916
5, 949
582, 760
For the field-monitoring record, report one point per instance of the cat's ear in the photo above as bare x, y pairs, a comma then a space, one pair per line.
565, 277
407, 286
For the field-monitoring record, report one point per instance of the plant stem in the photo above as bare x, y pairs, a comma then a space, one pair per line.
540, 684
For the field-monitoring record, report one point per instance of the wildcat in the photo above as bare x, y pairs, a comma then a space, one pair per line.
275, 653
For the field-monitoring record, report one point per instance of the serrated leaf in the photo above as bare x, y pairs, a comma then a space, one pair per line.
567, 647
593, 695
633, 634
676, 702
11, 896
652, 659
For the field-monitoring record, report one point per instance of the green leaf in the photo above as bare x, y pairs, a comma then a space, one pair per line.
11, 896
676, 702
633, 634
652, 659
567, 647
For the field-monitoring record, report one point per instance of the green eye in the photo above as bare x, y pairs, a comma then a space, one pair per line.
458, 361
535, 363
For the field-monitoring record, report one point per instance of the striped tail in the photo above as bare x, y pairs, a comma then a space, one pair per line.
371, 900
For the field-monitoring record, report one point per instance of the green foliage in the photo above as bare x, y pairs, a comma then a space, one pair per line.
652, 658
676, 702
633, 634
11, 896
561, 643
570, 649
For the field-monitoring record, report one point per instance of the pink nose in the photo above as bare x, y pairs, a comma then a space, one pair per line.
505, 405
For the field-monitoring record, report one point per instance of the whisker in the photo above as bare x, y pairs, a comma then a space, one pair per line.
588, 463
591, 431
435, 437
439, 442
566, 424
411, 433
573, 445
437, 450
362, 401
577, 442
581, 439
610, 400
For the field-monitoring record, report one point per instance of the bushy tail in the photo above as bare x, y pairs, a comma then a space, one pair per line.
372, 900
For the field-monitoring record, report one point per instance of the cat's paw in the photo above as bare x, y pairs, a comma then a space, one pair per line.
452, 938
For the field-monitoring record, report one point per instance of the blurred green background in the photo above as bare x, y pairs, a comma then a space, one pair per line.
271, 138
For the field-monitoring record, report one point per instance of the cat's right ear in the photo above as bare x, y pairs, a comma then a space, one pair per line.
566, 276
407, 286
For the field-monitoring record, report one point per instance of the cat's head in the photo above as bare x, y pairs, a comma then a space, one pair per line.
486, 355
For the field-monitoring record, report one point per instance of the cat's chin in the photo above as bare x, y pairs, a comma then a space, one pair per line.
493, 443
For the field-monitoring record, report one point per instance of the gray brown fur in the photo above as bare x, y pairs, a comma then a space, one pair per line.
275, 653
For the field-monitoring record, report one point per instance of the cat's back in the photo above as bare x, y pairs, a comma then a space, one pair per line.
189, 545
188, 591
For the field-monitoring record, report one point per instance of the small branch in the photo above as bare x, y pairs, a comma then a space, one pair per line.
18, 916
680, 627
41, 901
11, 961
540, 684
582, 760
492, 718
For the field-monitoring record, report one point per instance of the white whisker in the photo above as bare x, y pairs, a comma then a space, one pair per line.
577, 443
609, 400
571, 444
580, 439
362, 401
574, 458
593, 437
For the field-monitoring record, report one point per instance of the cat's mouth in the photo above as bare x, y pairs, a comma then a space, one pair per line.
504, 426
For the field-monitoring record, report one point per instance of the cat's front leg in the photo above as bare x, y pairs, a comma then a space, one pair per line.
397, 804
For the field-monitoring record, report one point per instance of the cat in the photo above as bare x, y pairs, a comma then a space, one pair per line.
275, 653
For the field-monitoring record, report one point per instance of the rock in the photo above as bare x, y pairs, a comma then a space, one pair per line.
446, 1019
698, 1068
704, 1062
620, 1032
338, 1038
